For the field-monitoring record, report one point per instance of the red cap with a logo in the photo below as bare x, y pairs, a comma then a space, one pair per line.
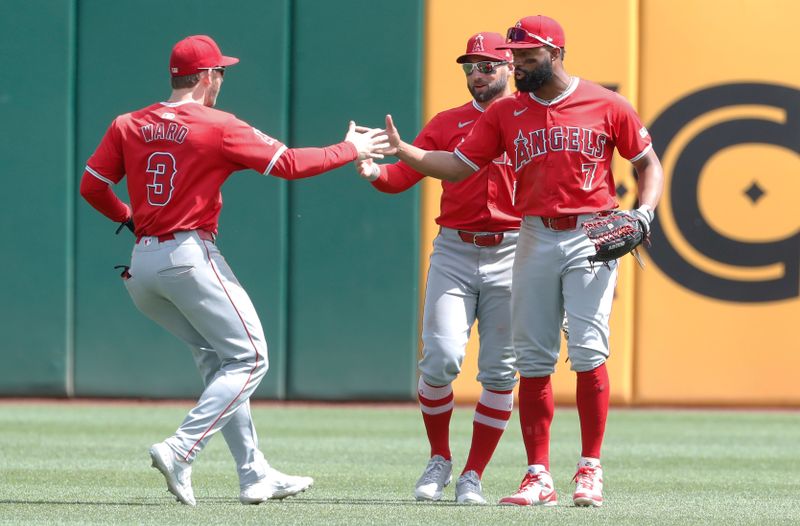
196, 53
534, 31
485, 45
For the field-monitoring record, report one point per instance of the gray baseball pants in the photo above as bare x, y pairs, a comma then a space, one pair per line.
552, 275
186, 286
466, 283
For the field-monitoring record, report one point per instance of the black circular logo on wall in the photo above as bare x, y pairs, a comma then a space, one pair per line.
684, 192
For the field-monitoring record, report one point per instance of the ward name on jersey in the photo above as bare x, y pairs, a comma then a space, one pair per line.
168, 132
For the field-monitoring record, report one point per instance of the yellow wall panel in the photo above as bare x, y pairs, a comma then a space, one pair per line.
718, 307
601, 46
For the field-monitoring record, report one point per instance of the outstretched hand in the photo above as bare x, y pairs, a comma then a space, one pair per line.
368, 141
393, 136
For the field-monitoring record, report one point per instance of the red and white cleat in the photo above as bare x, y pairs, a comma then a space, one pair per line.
589, 485
537, 489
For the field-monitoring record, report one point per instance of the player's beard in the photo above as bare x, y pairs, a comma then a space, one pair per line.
533, 80
493, 89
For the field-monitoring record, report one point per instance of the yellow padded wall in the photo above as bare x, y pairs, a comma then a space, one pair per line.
719, 305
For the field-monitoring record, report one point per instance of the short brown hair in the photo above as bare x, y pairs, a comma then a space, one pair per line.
185, 81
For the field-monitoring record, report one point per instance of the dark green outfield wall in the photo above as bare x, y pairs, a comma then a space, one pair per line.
330, 264
37, 41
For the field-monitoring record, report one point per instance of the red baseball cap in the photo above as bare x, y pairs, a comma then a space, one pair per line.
195, 53
485, 45
534, 31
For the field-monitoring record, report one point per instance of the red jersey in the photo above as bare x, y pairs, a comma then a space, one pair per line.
561, 149
481, 203
177, 156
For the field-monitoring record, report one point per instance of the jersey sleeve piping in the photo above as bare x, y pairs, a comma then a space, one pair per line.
642, 154
104, 179
275, 158
469, 163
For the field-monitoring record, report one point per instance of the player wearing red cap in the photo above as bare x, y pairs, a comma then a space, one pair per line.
469, 278
176, 156
560, 133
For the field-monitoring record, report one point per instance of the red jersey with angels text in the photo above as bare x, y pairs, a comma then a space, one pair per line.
560, 149
480, 203
176, 157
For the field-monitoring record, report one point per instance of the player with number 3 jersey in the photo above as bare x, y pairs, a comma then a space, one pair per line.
176, 155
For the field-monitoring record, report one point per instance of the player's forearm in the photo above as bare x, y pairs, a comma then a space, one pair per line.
438, 164
103, 199
651, 180
297, 163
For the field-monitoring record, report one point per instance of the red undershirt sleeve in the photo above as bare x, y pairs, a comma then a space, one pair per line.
100, 195
396, 178
297, 163
103, 169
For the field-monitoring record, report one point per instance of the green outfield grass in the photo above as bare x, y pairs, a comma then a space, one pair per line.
86, 463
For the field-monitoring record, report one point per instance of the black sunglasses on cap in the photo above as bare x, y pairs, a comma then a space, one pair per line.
486, 67
221, 70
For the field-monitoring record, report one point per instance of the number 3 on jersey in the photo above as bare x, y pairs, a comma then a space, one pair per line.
161, 165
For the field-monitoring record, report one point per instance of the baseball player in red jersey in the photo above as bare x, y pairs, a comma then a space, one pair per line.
469, 278
560, 133
176, 156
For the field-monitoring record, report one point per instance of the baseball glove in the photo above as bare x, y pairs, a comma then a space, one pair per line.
615, 234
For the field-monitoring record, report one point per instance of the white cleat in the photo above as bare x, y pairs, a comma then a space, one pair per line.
537, 489
177, 472
437, 475
469, 489
275, 485
589, 485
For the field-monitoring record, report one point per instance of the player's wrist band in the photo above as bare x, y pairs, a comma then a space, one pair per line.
376, 172
646, 211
